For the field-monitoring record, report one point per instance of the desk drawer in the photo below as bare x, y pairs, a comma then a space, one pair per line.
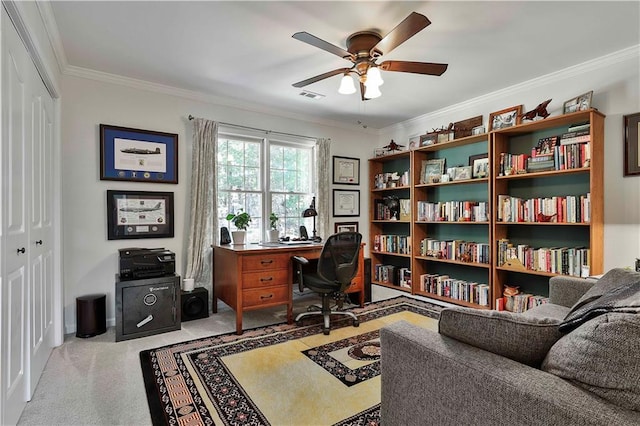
265, 262
265, 296
270, 278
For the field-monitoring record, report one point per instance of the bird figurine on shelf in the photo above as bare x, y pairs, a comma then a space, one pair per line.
545, 218
393, 146
539, 111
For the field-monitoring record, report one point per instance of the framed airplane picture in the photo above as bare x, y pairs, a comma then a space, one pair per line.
138, 155
139, 214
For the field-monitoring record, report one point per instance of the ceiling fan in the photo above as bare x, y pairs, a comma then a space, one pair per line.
364, 48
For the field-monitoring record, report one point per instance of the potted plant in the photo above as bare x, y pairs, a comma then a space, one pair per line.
241, 221
274, 233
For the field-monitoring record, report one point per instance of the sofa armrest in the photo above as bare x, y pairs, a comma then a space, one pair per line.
430, 378
566, 291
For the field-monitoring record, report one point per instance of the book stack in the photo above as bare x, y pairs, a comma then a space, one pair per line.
541, 163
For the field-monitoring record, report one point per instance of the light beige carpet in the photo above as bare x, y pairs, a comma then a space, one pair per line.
280, 375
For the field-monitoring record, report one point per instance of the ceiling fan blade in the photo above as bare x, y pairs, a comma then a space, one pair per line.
321, 44
321, 77
406, 29
414, 67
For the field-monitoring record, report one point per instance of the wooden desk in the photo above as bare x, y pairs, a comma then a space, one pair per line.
248, 277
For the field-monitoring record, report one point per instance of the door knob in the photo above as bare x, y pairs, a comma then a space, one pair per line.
39, 242
21, 250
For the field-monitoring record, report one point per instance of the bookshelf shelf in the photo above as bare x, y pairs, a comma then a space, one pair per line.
451, 300
448, 222
455, 262
531, 175
395, 287
390, 253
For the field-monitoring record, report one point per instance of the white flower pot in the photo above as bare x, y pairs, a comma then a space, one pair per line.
238, 236
274, 235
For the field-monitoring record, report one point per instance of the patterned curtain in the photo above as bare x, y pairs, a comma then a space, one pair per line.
323, 190
203, 208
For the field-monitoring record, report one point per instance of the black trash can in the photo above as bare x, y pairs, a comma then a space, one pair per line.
91, 315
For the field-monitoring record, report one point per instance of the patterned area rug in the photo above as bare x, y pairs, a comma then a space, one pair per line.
279, 375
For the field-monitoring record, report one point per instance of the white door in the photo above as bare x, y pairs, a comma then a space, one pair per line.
15, 224
41, 230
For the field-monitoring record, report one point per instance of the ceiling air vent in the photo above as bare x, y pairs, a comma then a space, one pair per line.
312, 95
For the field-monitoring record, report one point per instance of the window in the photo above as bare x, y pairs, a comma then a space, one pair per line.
244, 182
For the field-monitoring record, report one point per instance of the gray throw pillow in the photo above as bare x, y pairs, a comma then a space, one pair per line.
611, 280
617, 291
602, 356
525, 339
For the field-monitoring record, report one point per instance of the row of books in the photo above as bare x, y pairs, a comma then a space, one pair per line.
564, 157
391, 180
462, 251
557, 260
445, 286
392, 243
560, 209
391, 274
520, 302
453, 211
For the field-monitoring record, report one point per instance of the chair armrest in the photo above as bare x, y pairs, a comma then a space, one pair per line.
426, 375
565, 291
300, 260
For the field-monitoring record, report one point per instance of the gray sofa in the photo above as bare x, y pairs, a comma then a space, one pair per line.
499, 368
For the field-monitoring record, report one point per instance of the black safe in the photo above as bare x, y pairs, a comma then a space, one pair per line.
146, 307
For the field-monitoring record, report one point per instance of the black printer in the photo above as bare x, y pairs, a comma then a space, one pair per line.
137, 263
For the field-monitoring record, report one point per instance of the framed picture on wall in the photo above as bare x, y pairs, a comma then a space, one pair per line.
346, 203
139, 214
138, 155
346, 227
631, 144
346, 170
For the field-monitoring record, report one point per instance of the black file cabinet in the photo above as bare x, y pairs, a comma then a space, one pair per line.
147, 306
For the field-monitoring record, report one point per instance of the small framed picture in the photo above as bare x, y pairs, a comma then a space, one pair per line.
414, 142
346, 203
346, 227
139, 214
138, 155
579, 103
631, 145
480, 165
507, 117
432, 170
346, 170
379, 152
463, 173
428, 139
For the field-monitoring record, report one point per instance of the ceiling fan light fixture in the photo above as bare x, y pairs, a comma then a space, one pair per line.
372, 91
346, 85
374, 77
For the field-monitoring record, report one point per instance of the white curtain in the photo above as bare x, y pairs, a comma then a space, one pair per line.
323, 190
203, 207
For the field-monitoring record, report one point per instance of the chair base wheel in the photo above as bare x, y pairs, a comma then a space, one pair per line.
299, 323
356, 323
326, 331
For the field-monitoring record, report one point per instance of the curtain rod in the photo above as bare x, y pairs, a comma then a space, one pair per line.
191, 117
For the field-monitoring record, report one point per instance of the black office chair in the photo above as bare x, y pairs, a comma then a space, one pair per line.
337, 265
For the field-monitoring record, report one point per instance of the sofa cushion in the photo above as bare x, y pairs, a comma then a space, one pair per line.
547, 310
525, 339
617, 291
601, 356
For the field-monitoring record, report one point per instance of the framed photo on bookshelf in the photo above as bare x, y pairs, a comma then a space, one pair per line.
507, 117
579, 103
631, 144
346, 170
139, 214
346, 203
346, 227
431, 170
138, 155
480, 165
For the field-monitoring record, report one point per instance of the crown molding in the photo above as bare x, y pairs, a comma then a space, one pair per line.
605, 61
51, 27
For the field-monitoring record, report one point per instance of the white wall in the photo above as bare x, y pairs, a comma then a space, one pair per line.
614, 80
90, 260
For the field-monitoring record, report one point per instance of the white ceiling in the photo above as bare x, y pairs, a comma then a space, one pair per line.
243, 51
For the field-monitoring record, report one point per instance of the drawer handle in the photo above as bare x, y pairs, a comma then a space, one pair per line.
266, 279
266, 262
266, 297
